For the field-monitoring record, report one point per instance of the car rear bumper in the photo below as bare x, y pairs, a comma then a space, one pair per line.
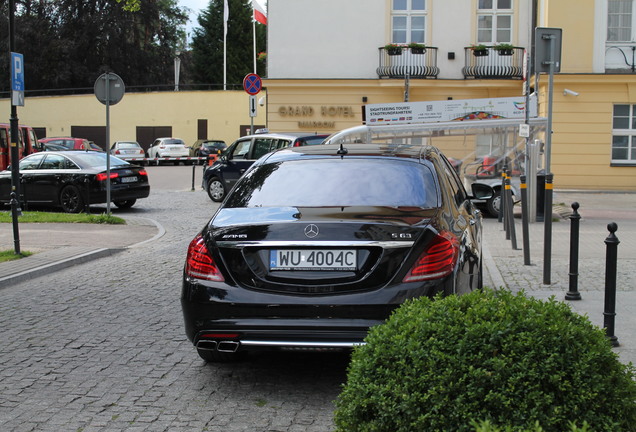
215, 313
98, 197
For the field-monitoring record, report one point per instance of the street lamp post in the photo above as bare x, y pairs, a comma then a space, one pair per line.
177, 68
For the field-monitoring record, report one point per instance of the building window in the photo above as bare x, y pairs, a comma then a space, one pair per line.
494, 21
619, 20
408, 21
624, 134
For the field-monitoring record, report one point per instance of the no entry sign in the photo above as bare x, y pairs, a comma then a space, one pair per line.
252, 84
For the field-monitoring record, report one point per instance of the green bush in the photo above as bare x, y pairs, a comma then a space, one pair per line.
518, 363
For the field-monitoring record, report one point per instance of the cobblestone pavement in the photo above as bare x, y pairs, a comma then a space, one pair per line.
101, 347
597, 211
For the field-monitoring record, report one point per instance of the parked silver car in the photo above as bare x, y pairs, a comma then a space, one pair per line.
129, 151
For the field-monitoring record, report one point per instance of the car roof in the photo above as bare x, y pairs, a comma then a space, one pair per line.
354, 150
285, 135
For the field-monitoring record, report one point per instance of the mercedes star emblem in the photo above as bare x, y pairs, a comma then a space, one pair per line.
311, 231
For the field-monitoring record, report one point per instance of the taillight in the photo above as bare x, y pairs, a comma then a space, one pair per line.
437, 261
143, 172
117, 152
103, 176
199, 263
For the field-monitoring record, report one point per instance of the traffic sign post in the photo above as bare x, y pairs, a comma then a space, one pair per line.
109, 90
252, 84
252, 106
17, 79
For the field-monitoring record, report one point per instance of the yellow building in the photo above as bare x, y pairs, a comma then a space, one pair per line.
189, 115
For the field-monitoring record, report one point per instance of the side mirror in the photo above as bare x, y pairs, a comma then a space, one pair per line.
482, 191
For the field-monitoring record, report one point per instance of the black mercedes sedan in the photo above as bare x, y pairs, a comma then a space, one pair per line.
316, 244
73, 180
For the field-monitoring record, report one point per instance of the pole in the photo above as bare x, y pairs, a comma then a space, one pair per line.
609, 314
226, 15
524, 222
575, 217
254, 39
15, 167
107, 144
547, 216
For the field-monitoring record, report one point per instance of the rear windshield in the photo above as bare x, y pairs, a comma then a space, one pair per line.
337, 182
174, 141
310, 140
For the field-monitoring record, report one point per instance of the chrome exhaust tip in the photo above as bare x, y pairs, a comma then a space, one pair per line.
228, 346
208, 345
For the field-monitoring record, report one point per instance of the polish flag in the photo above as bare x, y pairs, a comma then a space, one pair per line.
259, 13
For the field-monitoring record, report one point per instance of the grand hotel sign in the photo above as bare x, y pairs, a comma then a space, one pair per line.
310, 117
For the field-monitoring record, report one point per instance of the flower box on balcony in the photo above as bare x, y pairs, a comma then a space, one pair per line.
393, 49
504, 49
417, 48
479, 50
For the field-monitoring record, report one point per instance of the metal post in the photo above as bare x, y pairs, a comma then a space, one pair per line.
193, 171
575, 217
609, 314
532, 165
547, 217
524, 222
547, 232
108, 184
14, 153
501, 194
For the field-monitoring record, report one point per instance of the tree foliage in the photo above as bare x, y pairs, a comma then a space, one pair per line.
69, 43
208, 43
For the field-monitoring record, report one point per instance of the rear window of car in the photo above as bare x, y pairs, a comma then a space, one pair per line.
98, 160
174, 141
337, 182
309, 141
127, 145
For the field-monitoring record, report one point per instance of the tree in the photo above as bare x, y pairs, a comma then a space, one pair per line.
207, 43
69, 43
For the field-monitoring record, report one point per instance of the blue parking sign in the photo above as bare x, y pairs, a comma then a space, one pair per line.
17, 79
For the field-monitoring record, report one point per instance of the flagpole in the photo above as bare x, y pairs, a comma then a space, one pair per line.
254, 34
226, 14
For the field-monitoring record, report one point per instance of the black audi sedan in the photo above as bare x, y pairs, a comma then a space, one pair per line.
314, 245
73, 180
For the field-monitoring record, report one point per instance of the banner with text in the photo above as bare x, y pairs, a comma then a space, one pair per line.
449, 110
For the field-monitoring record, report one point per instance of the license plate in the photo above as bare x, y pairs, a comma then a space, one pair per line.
128, 179
313, 259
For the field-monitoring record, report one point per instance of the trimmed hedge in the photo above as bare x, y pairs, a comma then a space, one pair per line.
515, 362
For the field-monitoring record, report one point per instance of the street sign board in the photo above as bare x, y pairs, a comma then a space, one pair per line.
115, 90
546, 40
252, 105
252, 84
17, 79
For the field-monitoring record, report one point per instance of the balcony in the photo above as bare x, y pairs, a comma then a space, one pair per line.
493, 64
408, 64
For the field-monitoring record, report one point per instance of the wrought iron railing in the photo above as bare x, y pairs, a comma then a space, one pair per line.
492, 63
408, 63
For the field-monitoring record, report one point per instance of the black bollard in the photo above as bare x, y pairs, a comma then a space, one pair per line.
502, 190
609, 315
547, 231
575, 217
193, 169
510, 217
524, 222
